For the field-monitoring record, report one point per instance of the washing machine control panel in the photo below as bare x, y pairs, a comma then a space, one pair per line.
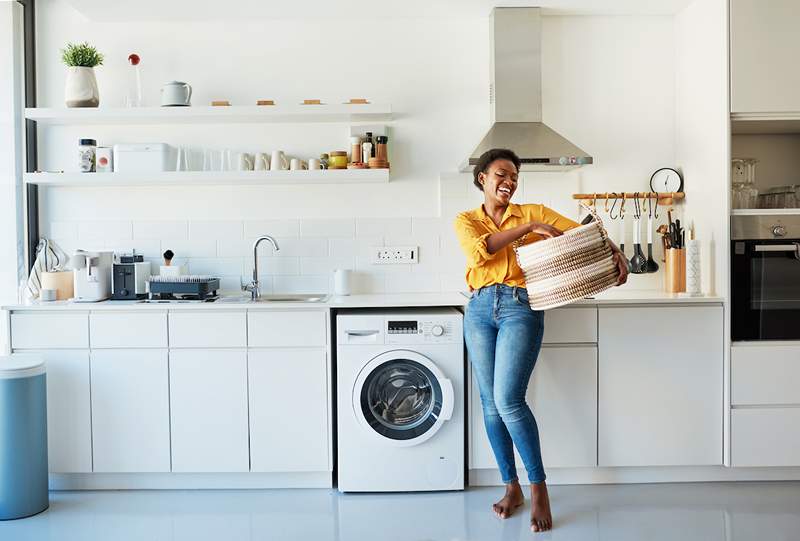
418, 331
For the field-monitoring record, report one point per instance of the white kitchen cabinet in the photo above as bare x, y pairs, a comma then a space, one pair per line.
130, 410
765, 436
571, 325
128, 329
289, 402
563, 397
765, 374
69, 425
208, 410
208, 330
297, 328
51, 330
660, 386
764, 42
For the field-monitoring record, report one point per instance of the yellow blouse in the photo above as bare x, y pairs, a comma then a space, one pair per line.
474, 226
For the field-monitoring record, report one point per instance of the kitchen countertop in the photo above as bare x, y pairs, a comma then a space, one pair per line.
615, 296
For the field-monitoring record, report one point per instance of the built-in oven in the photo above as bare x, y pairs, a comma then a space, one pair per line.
765, 277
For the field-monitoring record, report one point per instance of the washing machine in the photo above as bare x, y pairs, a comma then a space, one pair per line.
400, 398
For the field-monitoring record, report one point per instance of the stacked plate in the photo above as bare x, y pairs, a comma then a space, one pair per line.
564, 269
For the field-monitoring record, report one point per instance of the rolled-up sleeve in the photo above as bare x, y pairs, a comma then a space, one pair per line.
562, 223
473, 241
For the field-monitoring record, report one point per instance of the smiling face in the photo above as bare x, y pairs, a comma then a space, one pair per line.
499, 181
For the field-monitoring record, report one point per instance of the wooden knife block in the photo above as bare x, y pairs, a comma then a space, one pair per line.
675, 270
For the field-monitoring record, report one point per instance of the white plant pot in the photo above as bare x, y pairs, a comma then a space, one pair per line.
81, 87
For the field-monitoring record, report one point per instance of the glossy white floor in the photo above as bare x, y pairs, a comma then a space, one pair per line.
686, 512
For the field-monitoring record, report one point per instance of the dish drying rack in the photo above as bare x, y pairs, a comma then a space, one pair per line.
189, 286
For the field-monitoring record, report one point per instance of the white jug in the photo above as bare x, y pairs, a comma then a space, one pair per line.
176, 93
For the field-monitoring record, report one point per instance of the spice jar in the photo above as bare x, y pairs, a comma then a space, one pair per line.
337, 159
355, 149
86, 155
323, 160
381, 151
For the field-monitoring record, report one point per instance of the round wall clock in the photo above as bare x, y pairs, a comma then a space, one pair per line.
666, 179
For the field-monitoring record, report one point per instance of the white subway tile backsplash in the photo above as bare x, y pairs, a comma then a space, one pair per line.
408, 283
454, 282
345, 227
227, 266
275, 228
455, 185
271, 266
365, 282
428, 245
146, 248
63, 230
354, 247
240, 247
161, 230
320, 265
372, 227
302, 284
190, 248
225, 230
104, 230
431, 226
233, 284
309, 247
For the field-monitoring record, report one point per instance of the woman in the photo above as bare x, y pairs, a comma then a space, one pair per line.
502, 332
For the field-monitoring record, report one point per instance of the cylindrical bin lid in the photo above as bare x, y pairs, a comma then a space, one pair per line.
21, 365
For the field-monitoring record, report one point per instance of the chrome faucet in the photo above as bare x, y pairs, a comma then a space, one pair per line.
254, 287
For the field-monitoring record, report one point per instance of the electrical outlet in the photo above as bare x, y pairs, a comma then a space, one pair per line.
395, 255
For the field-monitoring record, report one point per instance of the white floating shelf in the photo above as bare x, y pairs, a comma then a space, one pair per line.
765, 212
234, 114
212, 178
765, 123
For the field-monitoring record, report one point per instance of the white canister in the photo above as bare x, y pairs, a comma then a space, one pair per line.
342, 281
104, 159
693, 273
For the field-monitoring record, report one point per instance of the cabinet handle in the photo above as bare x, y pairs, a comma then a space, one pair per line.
362, 333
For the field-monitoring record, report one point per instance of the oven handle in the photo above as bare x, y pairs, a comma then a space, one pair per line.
794, 247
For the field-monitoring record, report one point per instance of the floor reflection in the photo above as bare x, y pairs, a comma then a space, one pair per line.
686, 512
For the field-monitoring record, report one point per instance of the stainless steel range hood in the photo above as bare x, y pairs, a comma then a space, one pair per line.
516, 96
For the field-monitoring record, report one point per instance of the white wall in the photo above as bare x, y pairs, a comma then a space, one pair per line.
11, 152
608, 85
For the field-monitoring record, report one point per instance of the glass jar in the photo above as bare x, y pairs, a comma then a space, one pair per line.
87, 149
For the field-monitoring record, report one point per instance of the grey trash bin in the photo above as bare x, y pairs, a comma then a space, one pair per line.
23, 436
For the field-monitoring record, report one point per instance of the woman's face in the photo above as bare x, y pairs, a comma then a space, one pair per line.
499, 181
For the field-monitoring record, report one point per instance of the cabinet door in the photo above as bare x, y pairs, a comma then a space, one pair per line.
764, 44
563, 397
289, 405
660, 386
208, 409
69, 428
130, 410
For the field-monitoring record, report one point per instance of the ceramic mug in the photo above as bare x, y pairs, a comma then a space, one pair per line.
176, 93
261, 162
243, 162
297, 165
314, 164
278, 161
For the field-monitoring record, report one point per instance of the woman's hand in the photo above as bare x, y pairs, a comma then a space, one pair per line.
622, 264
545, 230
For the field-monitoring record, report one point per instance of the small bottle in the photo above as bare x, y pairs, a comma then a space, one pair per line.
86, 155
381, 151
355, 149
367, 148
133, 98
323, 160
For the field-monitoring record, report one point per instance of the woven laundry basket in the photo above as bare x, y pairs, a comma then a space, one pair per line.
561, 270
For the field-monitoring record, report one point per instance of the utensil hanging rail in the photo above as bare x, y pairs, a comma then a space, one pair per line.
630, 195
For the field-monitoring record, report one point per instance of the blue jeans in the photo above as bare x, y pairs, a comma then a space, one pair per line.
503, 336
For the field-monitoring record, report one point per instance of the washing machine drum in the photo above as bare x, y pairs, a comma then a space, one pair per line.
402, 398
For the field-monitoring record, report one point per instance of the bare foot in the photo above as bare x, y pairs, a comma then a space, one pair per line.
541, 518
512, 499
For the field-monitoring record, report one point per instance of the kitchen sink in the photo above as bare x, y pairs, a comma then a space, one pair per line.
309, 298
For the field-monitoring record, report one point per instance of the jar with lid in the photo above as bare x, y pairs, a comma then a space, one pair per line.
381, 150
323, 160
87, 149
337, 159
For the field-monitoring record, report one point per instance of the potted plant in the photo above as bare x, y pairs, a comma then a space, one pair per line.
81, 87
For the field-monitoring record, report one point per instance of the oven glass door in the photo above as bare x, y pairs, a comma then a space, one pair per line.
766, 289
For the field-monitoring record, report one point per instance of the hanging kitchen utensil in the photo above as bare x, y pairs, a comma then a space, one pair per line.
638, 261
652, 266
622, 226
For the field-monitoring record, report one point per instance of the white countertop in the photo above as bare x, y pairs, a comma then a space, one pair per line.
397, 300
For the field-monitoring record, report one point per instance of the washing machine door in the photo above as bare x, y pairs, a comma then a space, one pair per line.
401, 398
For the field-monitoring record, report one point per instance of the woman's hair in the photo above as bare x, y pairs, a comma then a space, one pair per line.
490, 156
